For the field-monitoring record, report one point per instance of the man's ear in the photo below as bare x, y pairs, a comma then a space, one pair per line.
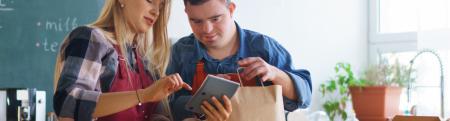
231, 8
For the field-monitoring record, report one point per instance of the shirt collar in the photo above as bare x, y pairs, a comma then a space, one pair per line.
242, 44
201, 50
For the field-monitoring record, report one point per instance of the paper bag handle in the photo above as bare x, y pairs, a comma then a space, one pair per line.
240, 80
242, 84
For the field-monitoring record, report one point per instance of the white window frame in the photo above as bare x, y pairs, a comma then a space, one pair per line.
380, 43
386, 42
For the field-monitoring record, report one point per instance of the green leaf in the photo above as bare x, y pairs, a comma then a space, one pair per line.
344, 115
341, 79
322, 89
332, 86
343, 90
339, 84
336, 68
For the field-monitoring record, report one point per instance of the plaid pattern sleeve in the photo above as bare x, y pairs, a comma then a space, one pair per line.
88, 58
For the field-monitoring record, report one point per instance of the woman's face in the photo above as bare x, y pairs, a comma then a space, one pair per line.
141, 14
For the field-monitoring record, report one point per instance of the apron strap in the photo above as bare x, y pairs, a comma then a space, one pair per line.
199, 76
122, 62
142, 72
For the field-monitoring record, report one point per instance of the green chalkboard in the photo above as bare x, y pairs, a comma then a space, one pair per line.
31, 32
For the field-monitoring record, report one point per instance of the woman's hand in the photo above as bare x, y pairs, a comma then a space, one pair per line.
220, 112
164, 87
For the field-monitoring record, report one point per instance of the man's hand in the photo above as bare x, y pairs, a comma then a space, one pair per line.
257, 67
218, 112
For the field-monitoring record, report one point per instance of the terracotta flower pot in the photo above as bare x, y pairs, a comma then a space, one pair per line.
375, 103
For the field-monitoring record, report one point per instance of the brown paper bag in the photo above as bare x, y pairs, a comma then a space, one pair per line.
257, 103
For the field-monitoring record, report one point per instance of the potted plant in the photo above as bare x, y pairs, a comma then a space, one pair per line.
338, 86
378, 98
374, 97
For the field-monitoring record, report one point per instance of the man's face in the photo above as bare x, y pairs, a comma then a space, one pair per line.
211, 22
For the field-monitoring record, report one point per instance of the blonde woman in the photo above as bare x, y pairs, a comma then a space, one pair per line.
114, 69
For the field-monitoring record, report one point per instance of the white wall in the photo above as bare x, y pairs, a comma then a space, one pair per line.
318, 33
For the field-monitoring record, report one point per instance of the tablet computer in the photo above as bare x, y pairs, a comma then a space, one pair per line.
211, 86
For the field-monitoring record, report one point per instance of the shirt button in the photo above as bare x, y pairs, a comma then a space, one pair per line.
146, 117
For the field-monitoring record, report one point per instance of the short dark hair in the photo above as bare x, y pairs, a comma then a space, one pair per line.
199, 2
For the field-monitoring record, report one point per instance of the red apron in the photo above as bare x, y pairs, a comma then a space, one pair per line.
200, 75
120, 83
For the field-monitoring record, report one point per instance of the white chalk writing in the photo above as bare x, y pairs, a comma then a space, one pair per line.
4, 6
60, 25
48, 46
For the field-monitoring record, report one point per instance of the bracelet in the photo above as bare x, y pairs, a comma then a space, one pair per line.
139, 99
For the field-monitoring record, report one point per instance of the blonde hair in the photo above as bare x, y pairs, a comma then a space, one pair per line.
153, 45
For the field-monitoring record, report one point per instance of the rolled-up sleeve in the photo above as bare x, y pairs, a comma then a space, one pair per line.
77, 90
301, 79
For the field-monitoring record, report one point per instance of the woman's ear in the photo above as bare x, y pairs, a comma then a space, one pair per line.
121, 3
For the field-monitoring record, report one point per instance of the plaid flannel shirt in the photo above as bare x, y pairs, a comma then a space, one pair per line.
89, 66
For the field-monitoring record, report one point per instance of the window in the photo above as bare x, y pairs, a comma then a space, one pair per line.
395, 26
397, 16
425, 93
400, 20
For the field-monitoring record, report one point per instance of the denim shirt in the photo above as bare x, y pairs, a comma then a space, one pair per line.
188, 51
